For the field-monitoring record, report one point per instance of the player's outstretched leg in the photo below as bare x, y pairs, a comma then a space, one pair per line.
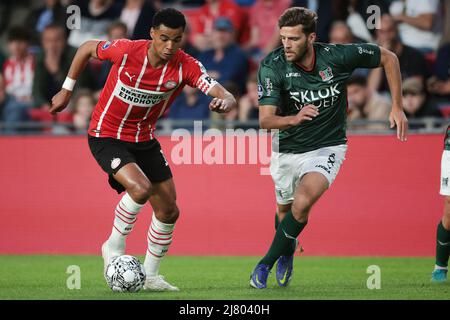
124, 220
138, 189
287, 231
310, 188
159, 236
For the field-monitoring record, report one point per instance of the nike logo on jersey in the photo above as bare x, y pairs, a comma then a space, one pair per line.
444, 243
130, 76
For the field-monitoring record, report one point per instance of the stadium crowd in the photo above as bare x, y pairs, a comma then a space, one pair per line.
229, 38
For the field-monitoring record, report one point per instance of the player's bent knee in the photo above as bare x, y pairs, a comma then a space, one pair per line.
300, 213
140, 191
169, 214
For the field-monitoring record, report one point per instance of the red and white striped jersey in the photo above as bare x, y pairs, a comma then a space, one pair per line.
18, 77
136, 94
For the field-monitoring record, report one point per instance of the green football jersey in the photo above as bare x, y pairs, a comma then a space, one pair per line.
289, 87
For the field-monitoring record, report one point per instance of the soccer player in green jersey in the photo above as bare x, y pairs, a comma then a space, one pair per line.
439, 273
302, 93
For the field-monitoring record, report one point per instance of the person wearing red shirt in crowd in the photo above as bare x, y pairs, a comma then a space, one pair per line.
17, 73
203, 22
145, 78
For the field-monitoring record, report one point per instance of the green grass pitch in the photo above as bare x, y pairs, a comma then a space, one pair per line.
44, 277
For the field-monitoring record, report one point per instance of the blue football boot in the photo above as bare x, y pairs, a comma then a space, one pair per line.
258, 279
439, 275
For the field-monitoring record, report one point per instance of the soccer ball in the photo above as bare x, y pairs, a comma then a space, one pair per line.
125, 274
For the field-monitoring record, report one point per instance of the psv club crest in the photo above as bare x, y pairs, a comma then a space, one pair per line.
326, 74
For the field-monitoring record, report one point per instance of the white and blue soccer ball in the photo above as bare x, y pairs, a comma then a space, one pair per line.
125, 274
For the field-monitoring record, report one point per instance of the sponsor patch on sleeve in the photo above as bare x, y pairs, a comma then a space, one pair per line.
106, 45
260, 91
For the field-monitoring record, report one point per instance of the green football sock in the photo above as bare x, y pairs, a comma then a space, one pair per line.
442, 246
287, 231
277, 223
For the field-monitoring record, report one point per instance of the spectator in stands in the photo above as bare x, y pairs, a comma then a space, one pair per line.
186, 44
445, 18
366, 104
83, 106
96, 16
439, 84
2, 96
17, 74
203, 22
226, 62
328, 11
248, 103
138, 15
412, 62
263, 20
415, 102
52, 11
116, 30
340, 33
416, 18
52, 66
2, 60
190, 105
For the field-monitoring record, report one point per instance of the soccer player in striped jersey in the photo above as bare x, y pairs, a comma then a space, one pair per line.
145, 78
440, 271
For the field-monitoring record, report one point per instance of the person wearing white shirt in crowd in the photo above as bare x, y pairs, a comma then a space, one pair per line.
416, 21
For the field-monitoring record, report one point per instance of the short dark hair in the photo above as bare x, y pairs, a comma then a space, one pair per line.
56, 26
299, 16
18, 33
169, 17
357, 80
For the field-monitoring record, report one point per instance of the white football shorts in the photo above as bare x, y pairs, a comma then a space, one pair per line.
288, 168
445, 173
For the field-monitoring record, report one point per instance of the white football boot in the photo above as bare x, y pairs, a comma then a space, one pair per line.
157, 283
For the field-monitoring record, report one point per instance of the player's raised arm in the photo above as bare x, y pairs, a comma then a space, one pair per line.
397, 117
81, 58
223, 100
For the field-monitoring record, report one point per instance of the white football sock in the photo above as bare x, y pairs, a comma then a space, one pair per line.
159, 238
436, 267
124, 220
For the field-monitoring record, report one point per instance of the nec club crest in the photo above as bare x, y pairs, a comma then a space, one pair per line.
326, 74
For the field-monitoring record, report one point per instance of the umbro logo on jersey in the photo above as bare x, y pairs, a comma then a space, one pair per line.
130, 76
